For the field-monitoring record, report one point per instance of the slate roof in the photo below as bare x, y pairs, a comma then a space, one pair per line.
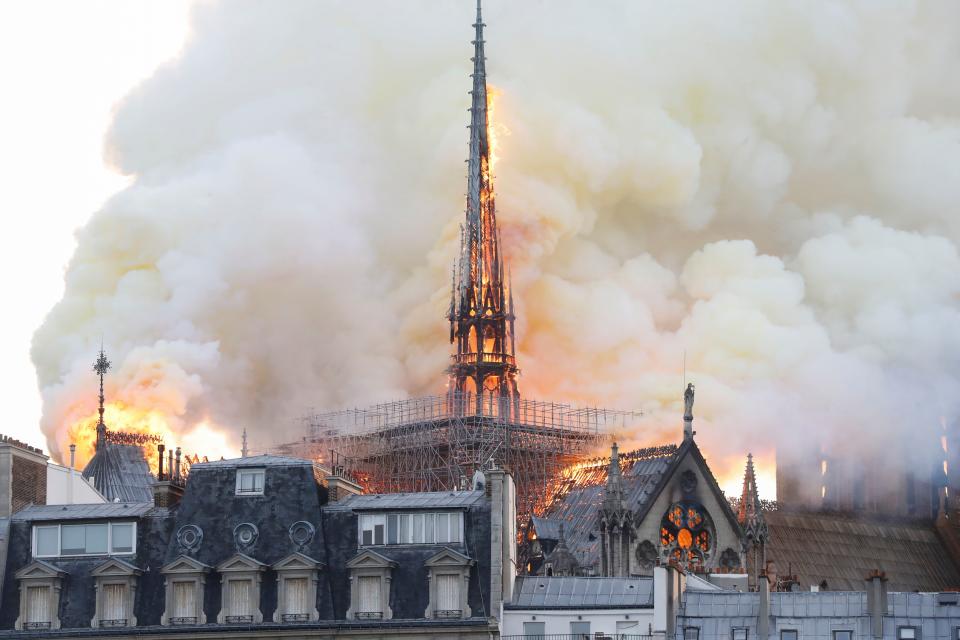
35, 513
429, 500
843, 549
579, 497
120, 472
542, 592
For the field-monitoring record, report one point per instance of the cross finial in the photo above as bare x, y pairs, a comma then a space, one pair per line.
101, 366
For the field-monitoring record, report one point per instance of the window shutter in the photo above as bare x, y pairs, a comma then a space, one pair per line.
295, 590
448, 592
114, 602
38, 604
240, 592
185, 600
370, 594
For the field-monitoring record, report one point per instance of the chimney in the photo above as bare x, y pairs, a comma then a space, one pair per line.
668, 587
167, 490
877, 601
160, 450
763, 612
338, 485
73, 462
176, 470
503, 535
23, 475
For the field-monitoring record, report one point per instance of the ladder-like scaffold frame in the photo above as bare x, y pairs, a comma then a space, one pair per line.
435, 443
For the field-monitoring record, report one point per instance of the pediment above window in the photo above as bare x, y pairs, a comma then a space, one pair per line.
371, 559
240, 562
39, 569
297, 561
449, 558
185, 564
115, 567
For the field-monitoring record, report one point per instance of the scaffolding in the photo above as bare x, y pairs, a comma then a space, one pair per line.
436, 443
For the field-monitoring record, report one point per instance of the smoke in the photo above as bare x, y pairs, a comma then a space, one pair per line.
770, 189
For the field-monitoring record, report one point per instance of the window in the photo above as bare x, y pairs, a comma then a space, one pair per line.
295, 599
114, 605
739, 633
534, 629
691, 633
103, 538
184, 603
38, 608
115, 584
250, 482
369, 598
372, 529
581, 630
410, 528
39, 585
843, 634
448, 595
907, 633
789, 634
240, 607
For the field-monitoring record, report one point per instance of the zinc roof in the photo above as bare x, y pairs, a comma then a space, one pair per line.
252, 461
35, 513
120, 472
425, 500
545, 592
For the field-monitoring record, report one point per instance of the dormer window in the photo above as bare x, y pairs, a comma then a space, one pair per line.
410, 528
40, 585
240, 577
94, 539
185, 578
116, 584
449, 576
250, 482
370, 577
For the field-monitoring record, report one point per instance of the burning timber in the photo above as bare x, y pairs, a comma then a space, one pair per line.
437, 443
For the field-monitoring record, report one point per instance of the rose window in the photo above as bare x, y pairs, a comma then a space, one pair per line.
686, 535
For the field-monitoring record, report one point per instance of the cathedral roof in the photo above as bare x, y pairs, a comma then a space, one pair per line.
579, 498
120, 473
842, 549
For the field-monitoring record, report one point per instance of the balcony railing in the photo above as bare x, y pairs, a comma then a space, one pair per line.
178, 620
295, 617
238, 619
36, 625
448, 613
119, 622
484, 358
369, 615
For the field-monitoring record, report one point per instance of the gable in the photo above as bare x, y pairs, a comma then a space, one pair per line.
689, 479
297, 560
448, 557
39, 569
115, 567
241, 562
185, 564
368, 558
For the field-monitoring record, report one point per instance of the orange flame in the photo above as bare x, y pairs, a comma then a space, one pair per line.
495, 130
119, 416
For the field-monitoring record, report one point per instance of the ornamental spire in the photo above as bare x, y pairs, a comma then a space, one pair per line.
481, 311
101, 366
750, 513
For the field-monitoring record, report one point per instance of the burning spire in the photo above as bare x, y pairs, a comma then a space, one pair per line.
481, 307
101, 366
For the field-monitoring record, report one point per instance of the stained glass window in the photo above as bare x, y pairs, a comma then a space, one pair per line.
686, 535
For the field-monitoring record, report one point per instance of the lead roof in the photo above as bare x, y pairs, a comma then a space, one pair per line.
120, 472
37, 513
430, 500
252, 461
545, 592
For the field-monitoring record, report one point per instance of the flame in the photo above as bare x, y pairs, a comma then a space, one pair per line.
495, 130
122, 417
119, 416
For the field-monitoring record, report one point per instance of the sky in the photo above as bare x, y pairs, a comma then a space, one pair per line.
764, 191
63, 67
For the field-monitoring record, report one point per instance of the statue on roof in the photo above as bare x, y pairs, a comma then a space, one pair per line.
688, 402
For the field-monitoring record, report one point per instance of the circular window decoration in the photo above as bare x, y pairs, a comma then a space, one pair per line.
301, 533
686, 535
245, 534
189, 537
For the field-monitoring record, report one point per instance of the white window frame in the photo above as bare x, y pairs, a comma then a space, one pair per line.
110, 552
254, 472
914, 636
406, 524
745, 630
691, 633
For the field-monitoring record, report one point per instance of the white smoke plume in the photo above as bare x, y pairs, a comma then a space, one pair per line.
770, 187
